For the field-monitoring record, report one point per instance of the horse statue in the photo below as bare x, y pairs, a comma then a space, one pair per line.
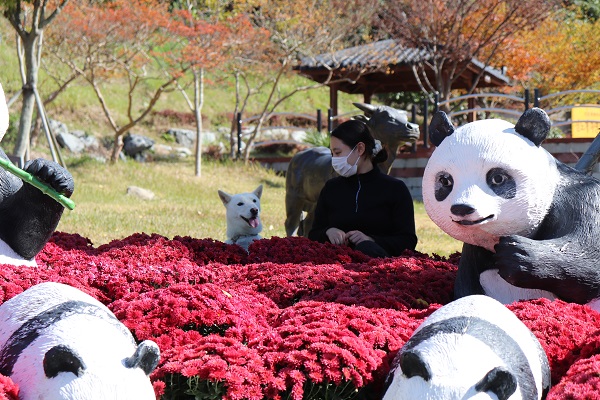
309, 169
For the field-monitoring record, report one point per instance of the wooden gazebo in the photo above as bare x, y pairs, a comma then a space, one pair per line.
383, 67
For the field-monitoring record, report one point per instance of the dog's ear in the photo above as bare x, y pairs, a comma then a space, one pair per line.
258, 191
225, 198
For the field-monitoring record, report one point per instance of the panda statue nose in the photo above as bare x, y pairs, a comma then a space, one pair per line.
461, 210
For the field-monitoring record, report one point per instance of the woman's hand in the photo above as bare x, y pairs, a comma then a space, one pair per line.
356, 237
336, 236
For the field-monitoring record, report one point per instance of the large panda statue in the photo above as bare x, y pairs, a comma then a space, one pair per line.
58, 343
472, 348
28, 217
529, 223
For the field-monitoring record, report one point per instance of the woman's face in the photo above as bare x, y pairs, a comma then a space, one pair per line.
340, 149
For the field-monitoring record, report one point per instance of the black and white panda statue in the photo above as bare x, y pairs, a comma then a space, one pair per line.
471, 348
530, 224
28, 217
58, 343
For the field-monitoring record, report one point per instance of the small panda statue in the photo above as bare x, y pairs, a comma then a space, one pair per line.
472, 348
28, 217
529, 223
58, 343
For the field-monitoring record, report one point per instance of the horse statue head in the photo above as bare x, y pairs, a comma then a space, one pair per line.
390, 126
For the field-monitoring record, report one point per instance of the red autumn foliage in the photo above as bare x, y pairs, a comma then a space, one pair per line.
265, 323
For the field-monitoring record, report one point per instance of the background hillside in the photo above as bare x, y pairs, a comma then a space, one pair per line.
79, 109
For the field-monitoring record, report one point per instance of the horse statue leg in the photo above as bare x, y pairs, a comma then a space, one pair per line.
293, 211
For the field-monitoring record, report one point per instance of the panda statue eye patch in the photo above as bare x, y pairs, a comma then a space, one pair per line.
443, 185
501, 183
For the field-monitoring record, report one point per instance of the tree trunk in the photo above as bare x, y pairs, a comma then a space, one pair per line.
233, 130
31, 73
118, 146
198, 103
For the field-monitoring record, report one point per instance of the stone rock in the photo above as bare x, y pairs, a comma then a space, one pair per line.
184, 137
183, 152
208, 137
70, 142
275, 134
187, 137
162, 149
78, 133
134, 145
57, 127
141, 193
91, 142
299, 136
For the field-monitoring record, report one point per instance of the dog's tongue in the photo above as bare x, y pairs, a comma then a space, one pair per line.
253, 222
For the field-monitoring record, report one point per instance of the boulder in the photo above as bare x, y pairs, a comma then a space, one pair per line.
70, 142
140, 193
135, 145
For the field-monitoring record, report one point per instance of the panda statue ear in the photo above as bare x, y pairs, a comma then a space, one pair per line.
440, 128
146, 357
534, 124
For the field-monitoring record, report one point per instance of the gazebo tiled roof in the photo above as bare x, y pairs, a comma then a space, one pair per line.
384, 67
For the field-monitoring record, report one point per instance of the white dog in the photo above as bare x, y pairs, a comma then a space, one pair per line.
243, 217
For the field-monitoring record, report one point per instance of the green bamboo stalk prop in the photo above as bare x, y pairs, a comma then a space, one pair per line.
32, 180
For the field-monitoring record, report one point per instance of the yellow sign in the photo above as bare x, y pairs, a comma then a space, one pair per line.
585, 129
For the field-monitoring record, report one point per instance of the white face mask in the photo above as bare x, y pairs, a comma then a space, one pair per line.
343, 167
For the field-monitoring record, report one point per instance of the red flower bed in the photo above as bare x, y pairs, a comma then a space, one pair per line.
289, 319
8, 389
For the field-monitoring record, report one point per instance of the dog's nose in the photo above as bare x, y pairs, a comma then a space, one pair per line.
254, 212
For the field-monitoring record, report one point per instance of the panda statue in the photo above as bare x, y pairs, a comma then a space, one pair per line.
471, 348
58, 343
530, 224
28, 217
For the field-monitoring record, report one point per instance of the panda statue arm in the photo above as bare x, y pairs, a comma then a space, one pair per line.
28, 216
473, 261
563, 256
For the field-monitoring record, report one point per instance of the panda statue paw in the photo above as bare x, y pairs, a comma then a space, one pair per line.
53, 174
515, 258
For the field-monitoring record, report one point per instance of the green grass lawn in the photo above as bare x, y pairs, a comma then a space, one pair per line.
186, 205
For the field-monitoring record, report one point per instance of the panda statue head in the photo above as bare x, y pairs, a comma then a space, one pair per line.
471, 348
59, 343
489, 178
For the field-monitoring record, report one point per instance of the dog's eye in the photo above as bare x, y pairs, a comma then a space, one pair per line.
240, 204
254, 201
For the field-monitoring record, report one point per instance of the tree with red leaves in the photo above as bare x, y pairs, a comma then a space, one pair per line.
454, 32
117, 39
199, 46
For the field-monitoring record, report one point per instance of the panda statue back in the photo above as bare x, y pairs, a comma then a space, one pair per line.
29, 216
472, 348
530, 224
58, 343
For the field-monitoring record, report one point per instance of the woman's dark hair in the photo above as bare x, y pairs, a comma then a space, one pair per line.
354, 131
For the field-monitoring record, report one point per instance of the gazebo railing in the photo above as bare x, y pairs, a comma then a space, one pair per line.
515, 107
547, 102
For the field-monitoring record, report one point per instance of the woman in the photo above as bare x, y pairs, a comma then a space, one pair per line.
363, 208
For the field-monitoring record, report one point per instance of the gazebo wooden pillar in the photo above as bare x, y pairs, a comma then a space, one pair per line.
333, 99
